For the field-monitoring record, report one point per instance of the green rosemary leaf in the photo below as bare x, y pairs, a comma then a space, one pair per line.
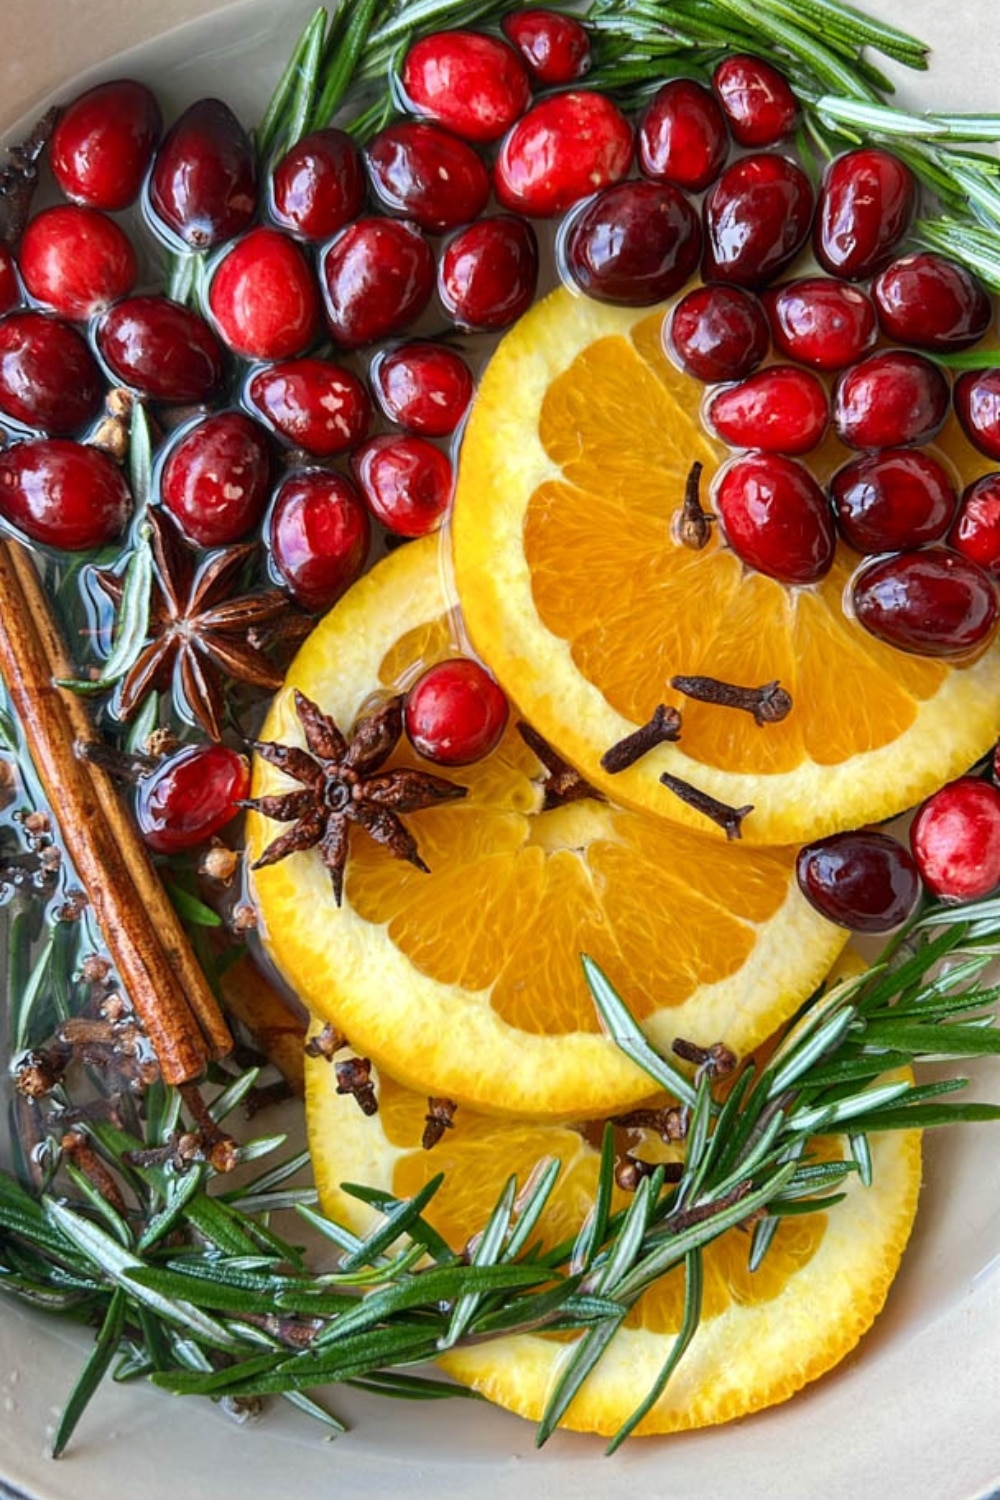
866, 31
883, 121
267, 1182
316, 1410
947, 1040
413, 1387
595, 1226
876, 989
340, 75
24, 1002
861, 1153
584, 1357
531, 1205
295, 116
93, 1371
487, 1252
629, 1240
217, 1382
823, 1041
407, 1214
356, 1355
785, 1208
541, 1310
331, 1230
826, 1118
190, 909
858, 1068
218, 1224
270, 126
140, 463
107, 1211
693, 1291
454, 1284
182, 1189
221, 1296
624, 1031
926, 1116
22, 1216
132, 622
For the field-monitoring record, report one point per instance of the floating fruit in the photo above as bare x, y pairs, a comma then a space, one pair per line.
976, 532
474, 84
315, 405
718, 333
455, 713
191, 795
931, 303
865, 206
863, 880
977, 402
757, 218
76, 261
103, 143
682, 136
318, 186
635, 242
377, 277
63, 494
821, 322
264, 298
317, 536
776, 517
428, 175
203, 186
890, 399
215, 479
892, 500
779, 410
488, 273
554, 48
934, 602
407, 483
48, 377
424, 387
160, 348
564, 149
757, 101
955, 838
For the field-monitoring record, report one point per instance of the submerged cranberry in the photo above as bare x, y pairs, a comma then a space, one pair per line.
163, 350
318, 535
977, 402
821, 322
931, 303
264, 297
756, 99
76, 260
406, 482
488, 273
933, 602
10, 292
103, 144
865, 207
757, 219
215, 479
63, 494
776, 517
424, 387
204, 181
312, 403
474, 84
682, 136
564, 149
862, 880
554, 48
635, 243
191, 795
955, 839
892, 500
48, 377
319, 185
429, 175
889, 400
455, 713
377, 276
718, 333
778, 410
976, 532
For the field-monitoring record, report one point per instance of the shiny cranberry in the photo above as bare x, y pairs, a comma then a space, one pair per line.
488, 273
48, 376
865, 207
314, 404
821, 322
564, 149
103, 144
976, 532
634, 243
455, 713
775, 517
892, 500
10, 292
264, 297
406, 482
955, 838
682, 136
377, 276
933, 602
554, 48
76, 260
757, 219
475, 85
428, 174
191, 795
756, 100
318, 535
931, 303
163, 350
204, 181
889, 400
319, 185
977, 402
424, 387
862, 880
779, 410
215, 479
63, 494
717, 333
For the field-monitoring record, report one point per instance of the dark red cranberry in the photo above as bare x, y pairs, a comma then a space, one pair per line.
889, 400
976, 532
776, 517
821, 322
424, 387
216, 477
10, 292
862, 880
406, 482
264, 297
314, 404
756, 99
757, 218
554, 48
865, 207
429, 175
204, 181
48, 377
63, 494
955, 839
682, 136
474, 84
163, 350
779, 410
488, 273
931, 303
455, 713
718, 333
892, 500
377, 277
103, 143
635, 243
319, 185
318, 535
933, 602
191, 795
564, 149
76, 260
977, 402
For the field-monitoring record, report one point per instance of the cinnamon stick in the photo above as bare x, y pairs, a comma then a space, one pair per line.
278, 1031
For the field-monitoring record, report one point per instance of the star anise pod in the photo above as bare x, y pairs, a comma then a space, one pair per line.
339, 788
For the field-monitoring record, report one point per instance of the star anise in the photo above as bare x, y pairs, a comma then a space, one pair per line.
339, 788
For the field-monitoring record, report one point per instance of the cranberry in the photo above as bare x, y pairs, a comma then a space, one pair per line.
318, 535
314, 404
862, 880
264, 297
820, 322
191, 795
635, 243
555, 49
717, 333
488, 273
406, 482
779, 410
103, 143
455, 713
976, 532
431, 176
424, 387
756, 100
682, 136
215, 479
977, 402
889, 400
158, 347
63, 494
776, 517
932, 303
377, 276
475, 85
955, 839
932, 603
865, 207
10, 292
564, 149
48, 376
204, 181
319, 185
892, 500
76, 260
757, 219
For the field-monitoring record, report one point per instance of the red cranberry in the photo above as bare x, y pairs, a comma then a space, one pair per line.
976, 532
757, 219
428, 174
718, 333
103, 143
264, 297
635, 243
215, 479
820, 322
779, 410
933, 602
865, 207
10, 292
424, 387
682, 136
163, 350
475, 85
955, 839
554, 48
204, 181
319, 185
455, 713
63, 494
756, 100
406, 482
48, 376
191, 795
314, 404
977, 402
564, 149
318, 535
776, 518
892, 500
889, 400
377, 276
76, 260
932, 303
862, 880
488, 273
